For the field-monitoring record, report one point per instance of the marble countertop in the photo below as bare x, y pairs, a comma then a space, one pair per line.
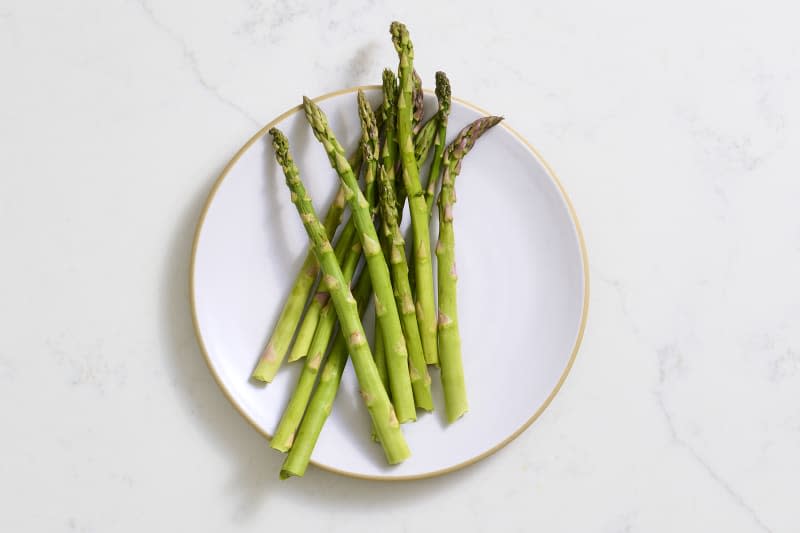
674, 127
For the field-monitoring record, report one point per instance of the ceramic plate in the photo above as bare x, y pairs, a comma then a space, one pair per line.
523, 290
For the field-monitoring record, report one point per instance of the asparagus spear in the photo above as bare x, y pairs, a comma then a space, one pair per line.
385, 308
284, 435
388, 161
389, 115
380, 408
371, 144
443, 97
420, 380
426, 309
324, 395
272, 357
455, 394
308, 325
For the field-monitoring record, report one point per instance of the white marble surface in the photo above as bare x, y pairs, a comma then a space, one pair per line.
673, 126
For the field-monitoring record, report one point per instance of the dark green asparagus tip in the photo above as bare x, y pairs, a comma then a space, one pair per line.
388, 201
389, 78
369, 128
490, 122
280, 143
443, 93
389, 95
309, 106
316, 118
400, 36
389, 92
419, 99
363, 105
466, 138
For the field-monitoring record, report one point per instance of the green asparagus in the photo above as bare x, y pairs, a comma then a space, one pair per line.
388, 161
308, 324
324, 395
385, 308
284, 435
443, 97
425, 306
383, 415
420, 379
272, 357
452, 376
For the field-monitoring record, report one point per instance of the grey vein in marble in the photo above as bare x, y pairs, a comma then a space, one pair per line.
194, 66
669, 360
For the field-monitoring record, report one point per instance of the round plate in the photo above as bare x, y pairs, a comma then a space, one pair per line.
522, 292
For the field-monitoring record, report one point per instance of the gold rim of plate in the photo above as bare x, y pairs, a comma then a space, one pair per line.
584, 312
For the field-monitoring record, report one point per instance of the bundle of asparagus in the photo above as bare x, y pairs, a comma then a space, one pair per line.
409, 332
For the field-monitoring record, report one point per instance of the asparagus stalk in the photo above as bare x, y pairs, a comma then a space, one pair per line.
423, 141
420, 380
285, 434
388, 161
426, 308
324, 395
380, 358
272, 357
380, 408
380, 362
385, 308
308, 325
455, 393
443, 98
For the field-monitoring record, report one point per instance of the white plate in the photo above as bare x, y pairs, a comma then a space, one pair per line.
523, 291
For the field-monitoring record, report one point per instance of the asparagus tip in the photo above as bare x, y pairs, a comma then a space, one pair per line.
279, 142
400, 36
369, 128
389, 94
443, 94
